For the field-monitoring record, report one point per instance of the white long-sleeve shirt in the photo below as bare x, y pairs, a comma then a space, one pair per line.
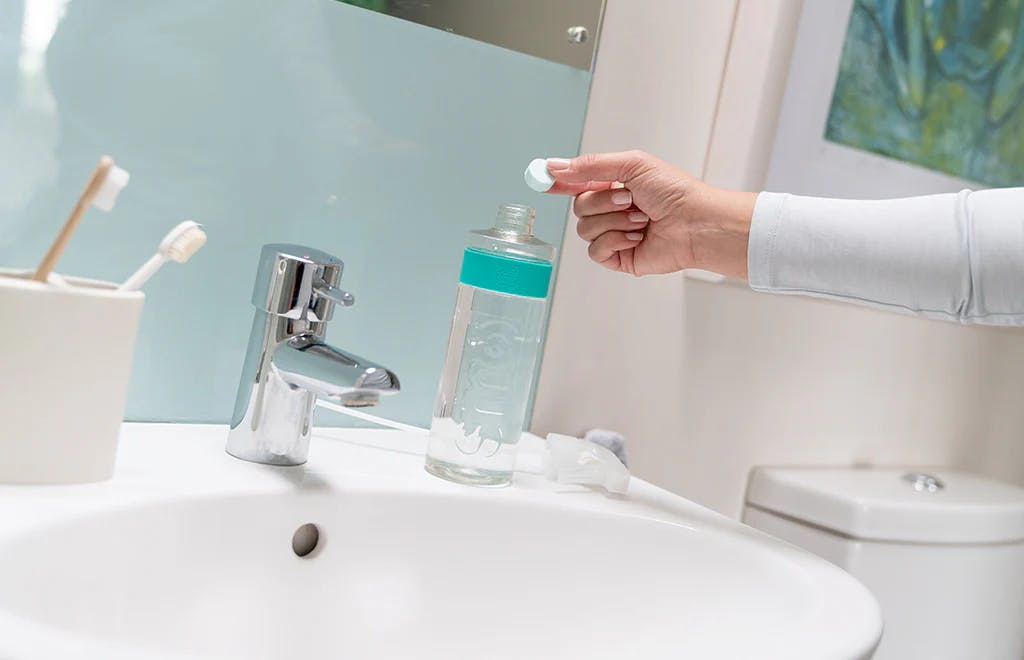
955, 256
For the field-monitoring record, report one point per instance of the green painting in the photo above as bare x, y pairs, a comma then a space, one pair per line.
937, 83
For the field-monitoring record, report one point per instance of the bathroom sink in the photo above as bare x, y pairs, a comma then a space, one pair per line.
188, 552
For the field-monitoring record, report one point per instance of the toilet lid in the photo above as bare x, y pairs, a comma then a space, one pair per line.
894, 504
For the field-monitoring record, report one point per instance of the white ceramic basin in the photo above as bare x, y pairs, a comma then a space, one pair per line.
188, 552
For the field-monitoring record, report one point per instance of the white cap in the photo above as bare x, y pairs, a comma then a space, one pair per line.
537, 175
572, 460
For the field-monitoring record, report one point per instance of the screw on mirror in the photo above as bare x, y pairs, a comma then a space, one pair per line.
578, 34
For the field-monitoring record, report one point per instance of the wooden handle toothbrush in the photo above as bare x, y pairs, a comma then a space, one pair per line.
106, 182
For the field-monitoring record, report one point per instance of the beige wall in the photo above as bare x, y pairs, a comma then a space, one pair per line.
614, 355
708, 380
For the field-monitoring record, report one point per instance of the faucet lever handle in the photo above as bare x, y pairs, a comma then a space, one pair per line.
299, 282
334, 294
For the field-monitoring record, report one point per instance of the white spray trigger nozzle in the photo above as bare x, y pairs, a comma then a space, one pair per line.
572, 460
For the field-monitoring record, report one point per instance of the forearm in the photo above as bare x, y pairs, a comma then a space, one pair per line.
955, 256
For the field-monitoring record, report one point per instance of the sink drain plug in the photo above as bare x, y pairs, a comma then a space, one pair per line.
305, 540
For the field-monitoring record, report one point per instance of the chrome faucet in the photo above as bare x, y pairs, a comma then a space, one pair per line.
288, 365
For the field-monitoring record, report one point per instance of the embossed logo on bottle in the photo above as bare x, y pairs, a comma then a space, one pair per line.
490, 359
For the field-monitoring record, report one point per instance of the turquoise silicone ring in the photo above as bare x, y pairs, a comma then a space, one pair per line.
518, 276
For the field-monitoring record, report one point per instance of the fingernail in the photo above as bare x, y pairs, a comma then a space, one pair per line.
555, 164
622, 197
638, 216
634, 236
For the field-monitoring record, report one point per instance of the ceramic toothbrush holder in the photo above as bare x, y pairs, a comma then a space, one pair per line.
66, 353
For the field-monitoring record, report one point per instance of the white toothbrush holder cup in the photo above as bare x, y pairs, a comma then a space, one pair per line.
66, 354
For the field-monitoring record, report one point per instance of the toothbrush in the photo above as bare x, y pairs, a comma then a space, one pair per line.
178, 245
101, 191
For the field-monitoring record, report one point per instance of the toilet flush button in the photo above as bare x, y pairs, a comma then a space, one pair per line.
923, 482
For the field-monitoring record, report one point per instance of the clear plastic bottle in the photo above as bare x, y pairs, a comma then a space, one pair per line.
492, 352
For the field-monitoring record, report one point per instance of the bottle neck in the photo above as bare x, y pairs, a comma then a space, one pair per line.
515, 219
512, 235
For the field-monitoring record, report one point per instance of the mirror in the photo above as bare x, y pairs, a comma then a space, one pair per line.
565, 31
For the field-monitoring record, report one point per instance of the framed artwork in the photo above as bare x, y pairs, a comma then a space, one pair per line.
889, 98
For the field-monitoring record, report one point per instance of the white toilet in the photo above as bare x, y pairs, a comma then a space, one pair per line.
943, 551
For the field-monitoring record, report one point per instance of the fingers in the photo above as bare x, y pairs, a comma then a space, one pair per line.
591, 226
563, 188
604, 201
621, 166
607, 246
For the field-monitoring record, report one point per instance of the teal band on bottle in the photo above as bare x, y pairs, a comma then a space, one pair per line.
518, 276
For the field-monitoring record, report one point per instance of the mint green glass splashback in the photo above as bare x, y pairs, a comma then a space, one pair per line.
307, 121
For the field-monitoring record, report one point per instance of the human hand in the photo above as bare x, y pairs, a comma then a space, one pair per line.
643, 216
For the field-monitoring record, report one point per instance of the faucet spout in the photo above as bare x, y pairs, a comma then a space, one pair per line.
307, 362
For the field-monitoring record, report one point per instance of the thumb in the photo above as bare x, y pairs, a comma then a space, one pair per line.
620, 166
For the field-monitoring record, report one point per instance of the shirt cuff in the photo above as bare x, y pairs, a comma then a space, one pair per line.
764, 229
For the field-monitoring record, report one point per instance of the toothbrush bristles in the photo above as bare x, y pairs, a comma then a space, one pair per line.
111, 186
178, 245
183, 241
